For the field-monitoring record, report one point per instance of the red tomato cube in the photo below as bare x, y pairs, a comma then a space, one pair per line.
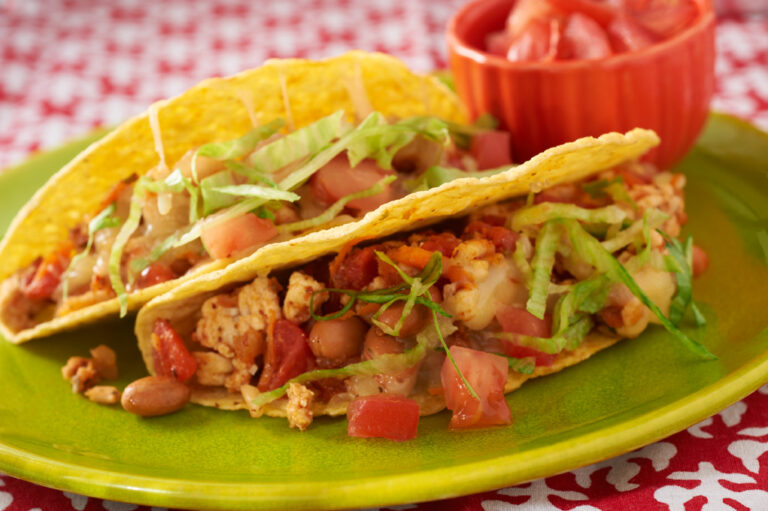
490, 149
487, 374
236, 235
389, 416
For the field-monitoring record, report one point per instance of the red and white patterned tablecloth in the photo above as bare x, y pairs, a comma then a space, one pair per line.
68, 66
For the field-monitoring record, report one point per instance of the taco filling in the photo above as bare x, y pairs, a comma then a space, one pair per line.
227, 199
453, 316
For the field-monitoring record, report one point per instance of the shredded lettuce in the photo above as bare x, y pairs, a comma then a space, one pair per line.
588, 296
239, 147
250, 173
518, 256
103, 220
591, 251
543, 261
335, 208
300, 144
258, 191
615, 188
652, 219
540, 213
568, 339
271, 157
382, 142
213, 199
116, 254
680, 262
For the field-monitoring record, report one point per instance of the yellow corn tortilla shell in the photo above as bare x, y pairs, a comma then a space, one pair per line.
565, 163
214, 110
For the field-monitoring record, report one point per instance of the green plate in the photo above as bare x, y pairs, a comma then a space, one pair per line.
630, 395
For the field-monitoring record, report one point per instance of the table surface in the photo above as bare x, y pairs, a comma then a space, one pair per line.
69, 66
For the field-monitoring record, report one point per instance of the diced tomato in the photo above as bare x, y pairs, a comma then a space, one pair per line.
626, 35
288, 355
357, 270
664, 18
583, 38
236, 235
412, 256
172, 358
487, 374
535, 43
700, 261
502, 238
491, 149
337, 179
519, 321
512, 349
445, 243
498, 43
389, 416
497, 220
527, 12
601, 12
40, 283
155, 273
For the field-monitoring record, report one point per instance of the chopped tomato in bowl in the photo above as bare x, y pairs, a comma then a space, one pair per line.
553, 71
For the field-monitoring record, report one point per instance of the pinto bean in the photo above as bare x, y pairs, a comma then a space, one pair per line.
155, 395
337, 338
416, 320
378, 343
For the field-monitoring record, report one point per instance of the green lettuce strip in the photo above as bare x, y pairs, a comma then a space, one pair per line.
335, 208
590, 250
128, 228
542, 264
569, 338
540, 213
101, 221
239, 147
680, 261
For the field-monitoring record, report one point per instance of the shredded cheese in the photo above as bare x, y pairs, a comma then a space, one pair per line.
154, 124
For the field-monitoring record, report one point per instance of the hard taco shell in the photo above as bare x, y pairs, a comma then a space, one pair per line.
217, 109
568, 162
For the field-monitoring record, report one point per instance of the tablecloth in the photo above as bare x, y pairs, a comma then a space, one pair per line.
68, 66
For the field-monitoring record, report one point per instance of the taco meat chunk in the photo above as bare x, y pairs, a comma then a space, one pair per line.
453, 316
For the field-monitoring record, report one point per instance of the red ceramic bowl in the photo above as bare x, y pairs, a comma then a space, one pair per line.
666, 87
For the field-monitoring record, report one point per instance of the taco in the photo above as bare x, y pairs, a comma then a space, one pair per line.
529, 271
270, 154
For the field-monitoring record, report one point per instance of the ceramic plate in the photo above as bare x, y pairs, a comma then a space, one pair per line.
629, 395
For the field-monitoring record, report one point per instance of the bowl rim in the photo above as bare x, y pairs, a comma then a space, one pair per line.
704, 22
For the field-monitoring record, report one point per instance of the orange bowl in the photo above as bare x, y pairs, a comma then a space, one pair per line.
666, 87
